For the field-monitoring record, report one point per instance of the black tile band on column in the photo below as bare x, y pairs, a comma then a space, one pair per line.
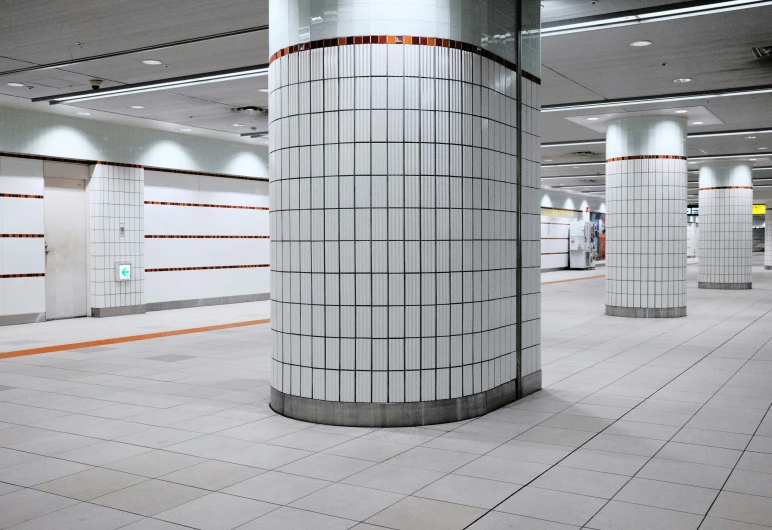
646, 312
727, 286
402, 39
410, 414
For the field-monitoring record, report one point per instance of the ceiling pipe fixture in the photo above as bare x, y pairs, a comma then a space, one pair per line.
164, 84
644, 16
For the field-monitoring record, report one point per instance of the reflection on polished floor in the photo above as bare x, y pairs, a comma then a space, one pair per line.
642, 424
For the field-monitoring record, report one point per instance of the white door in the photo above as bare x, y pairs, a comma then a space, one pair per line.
65, 232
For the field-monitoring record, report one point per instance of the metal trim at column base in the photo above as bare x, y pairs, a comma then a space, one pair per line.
726, 286
349, 414
27, 318
646, 312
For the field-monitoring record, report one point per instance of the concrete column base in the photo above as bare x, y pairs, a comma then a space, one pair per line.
768, 267
646, 312
413, 414
727, 286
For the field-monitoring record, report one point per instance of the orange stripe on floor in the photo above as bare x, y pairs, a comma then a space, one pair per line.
130, 338
575, 279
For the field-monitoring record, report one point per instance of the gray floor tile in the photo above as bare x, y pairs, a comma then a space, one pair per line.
531, 452
169, 358
432, 459
216, 512
761, 444
502, 469
154, 463
563, 437
740, 507
577, 423
625, 444
310, 440
326, 467
605, 461
761, 462
556, 506
83, 516
6, 488
90, 484
642, 430
685, 473
39, 471
369, 450
415, 513
750, 482
698, 454
626, 516
393, 478
276, 488
727, 440
11, 457
581, 481
265, 456
151, 497
212, 475
667, 495
508, 521
23, 505
469, 491
350, 502
286, 518
210, 446
713, 523
103, 453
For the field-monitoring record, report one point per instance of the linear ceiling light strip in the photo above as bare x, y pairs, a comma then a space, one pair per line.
690, 136
643, 17
182, 42
747, 91
153, 86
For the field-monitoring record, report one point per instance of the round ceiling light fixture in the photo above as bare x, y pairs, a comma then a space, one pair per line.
137, 107
763, 148
238, 125
548, 160
263, 90
593, 119
152, 62
84, 114
184, 130
17, 85
750, 137
641, 43
683, 80
681, 111
752, 159
697, 122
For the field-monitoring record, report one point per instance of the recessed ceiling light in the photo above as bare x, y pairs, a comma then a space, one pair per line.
16, 85
697, 122
137, 107
681, 111
237, 125
692, 162
682, 80
763, 148
152, 62
641, 43
575, 167
750, 137
593, 119
548, 160
185, 130
263, 90
84, 113
752, 159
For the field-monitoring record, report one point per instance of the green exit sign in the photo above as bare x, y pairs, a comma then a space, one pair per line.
123, 271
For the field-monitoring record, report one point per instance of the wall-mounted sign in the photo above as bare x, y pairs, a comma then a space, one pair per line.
123, 271
692, 210
759, 209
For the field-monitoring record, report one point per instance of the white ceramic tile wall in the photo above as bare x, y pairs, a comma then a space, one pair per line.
182, 218
725, 247
19, 215
645, 219
554, 241
116, 198
393, 223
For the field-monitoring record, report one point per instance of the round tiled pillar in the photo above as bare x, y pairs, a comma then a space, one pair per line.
768, 237
646, 217
725, 248
393, 148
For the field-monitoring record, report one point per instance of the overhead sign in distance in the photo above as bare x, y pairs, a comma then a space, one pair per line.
759, 209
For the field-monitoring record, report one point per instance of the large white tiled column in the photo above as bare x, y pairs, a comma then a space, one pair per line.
768, 237
397, 241
725, 249
646, 217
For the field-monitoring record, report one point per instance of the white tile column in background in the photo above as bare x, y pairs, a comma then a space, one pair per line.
768, 237
725, 249
646, 217
393, 156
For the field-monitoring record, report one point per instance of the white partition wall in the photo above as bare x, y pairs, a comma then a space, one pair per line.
645, 219
768, 237
22, 243
206, 239
725, 249
394, 187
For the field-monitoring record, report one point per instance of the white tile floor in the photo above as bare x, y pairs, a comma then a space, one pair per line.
643, 424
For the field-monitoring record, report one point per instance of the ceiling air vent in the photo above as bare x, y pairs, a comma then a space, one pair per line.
764, 52
583, 153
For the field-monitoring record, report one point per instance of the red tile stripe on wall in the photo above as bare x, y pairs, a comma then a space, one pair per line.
728, 188
147, 236
162, 203
20, 196
21, 235
400, 39
646, 157
29, 275
215, 267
